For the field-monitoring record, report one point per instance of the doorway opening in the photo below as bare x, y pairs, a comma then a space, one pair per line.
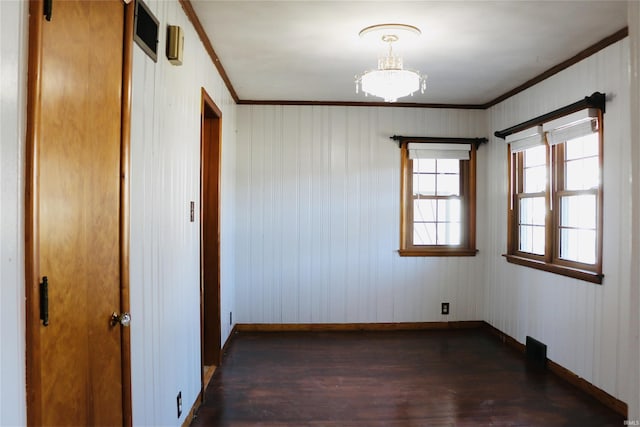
210, 150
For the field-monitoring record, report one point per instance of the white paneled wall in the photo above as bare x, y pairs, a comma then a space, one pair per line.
165, 246
318, 218
634, 300
585, 326
13, 79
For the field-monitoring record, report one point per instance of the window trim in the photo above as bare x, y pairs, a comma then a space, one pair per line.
551, 261
469, 182
560, 191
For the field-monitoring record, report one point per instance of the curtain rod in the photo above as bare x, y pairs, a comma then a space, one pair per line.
596, 100
433, 139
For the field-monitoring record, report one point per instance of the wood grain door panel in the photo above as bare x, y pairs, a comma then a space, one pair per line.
78, 214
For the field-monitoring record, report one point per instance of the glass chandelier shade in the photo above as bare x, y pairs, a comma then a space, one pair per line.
390, 80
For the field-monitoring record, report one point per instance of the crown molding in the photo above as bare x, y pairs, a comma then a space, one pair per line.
591, 50
197, 25
363, 104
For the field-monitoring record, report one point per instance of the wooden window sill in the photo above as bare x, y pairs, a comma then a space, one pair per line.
575, 273
441, 252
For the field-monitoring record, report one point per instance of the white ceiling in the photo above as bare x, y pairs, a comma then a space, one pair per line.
472, 51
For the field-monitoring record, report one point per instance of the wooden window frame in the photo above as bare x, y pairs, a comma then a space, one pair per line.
551, 261
468, 201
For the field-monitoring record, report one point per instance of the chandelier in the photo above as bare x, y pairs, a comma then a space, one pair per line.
390, 80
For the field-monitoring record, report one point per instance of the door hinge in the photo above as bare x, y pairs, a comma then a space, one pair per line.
44, 301
48, 8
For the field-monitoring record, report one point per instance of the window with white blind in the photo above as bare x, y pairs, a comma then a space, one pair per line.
438, 199
555, 212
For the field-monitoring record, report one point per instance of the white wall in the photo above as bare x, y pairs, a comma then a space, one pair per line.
585, 326
634, 300
165, 246
13, 81
318, 218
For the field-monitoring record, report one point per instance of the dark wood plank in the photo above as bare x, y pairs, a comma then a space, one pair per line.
393, 378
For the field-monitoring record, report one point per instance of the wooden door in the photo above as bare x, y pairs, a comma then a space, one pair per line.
75, 365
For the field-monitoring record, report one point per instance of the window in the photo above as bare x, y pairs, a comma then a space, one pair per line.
438, 199
555, 212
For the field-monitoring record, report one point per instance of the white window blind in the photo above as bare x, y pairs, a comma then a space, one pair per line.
525, 139
572, 126
439, 151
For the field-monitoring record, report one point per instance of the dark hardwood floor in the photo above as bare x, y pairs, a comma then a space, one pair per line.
412, 378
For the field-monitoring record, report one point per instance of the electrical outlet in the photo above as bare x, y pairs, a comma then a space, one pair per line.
179, 403
230, 318
445, 308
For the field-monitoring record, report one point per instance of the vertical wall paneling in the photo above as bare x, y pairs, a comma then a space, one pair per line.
13, 77
318, 218
585, 326
165, 245
634, 300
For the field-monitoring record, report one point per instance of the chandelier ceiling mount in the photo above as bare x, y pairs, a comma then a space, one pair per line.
390, 80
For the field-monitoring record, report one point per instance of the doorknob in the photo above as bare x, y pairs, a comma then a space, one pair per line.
124, 319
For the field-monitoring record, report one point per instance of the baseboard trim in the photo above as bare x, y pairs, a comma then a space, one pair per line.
330, 327
565, 374
506, 339
189, 418
227, 342
605, 398
196, 404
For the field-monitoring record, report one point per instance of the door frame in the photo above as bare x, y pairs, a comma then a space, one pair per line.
32, 194
210, 172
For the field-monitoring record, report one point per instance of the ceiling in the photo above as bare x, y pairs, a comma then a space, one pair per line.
472, 51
